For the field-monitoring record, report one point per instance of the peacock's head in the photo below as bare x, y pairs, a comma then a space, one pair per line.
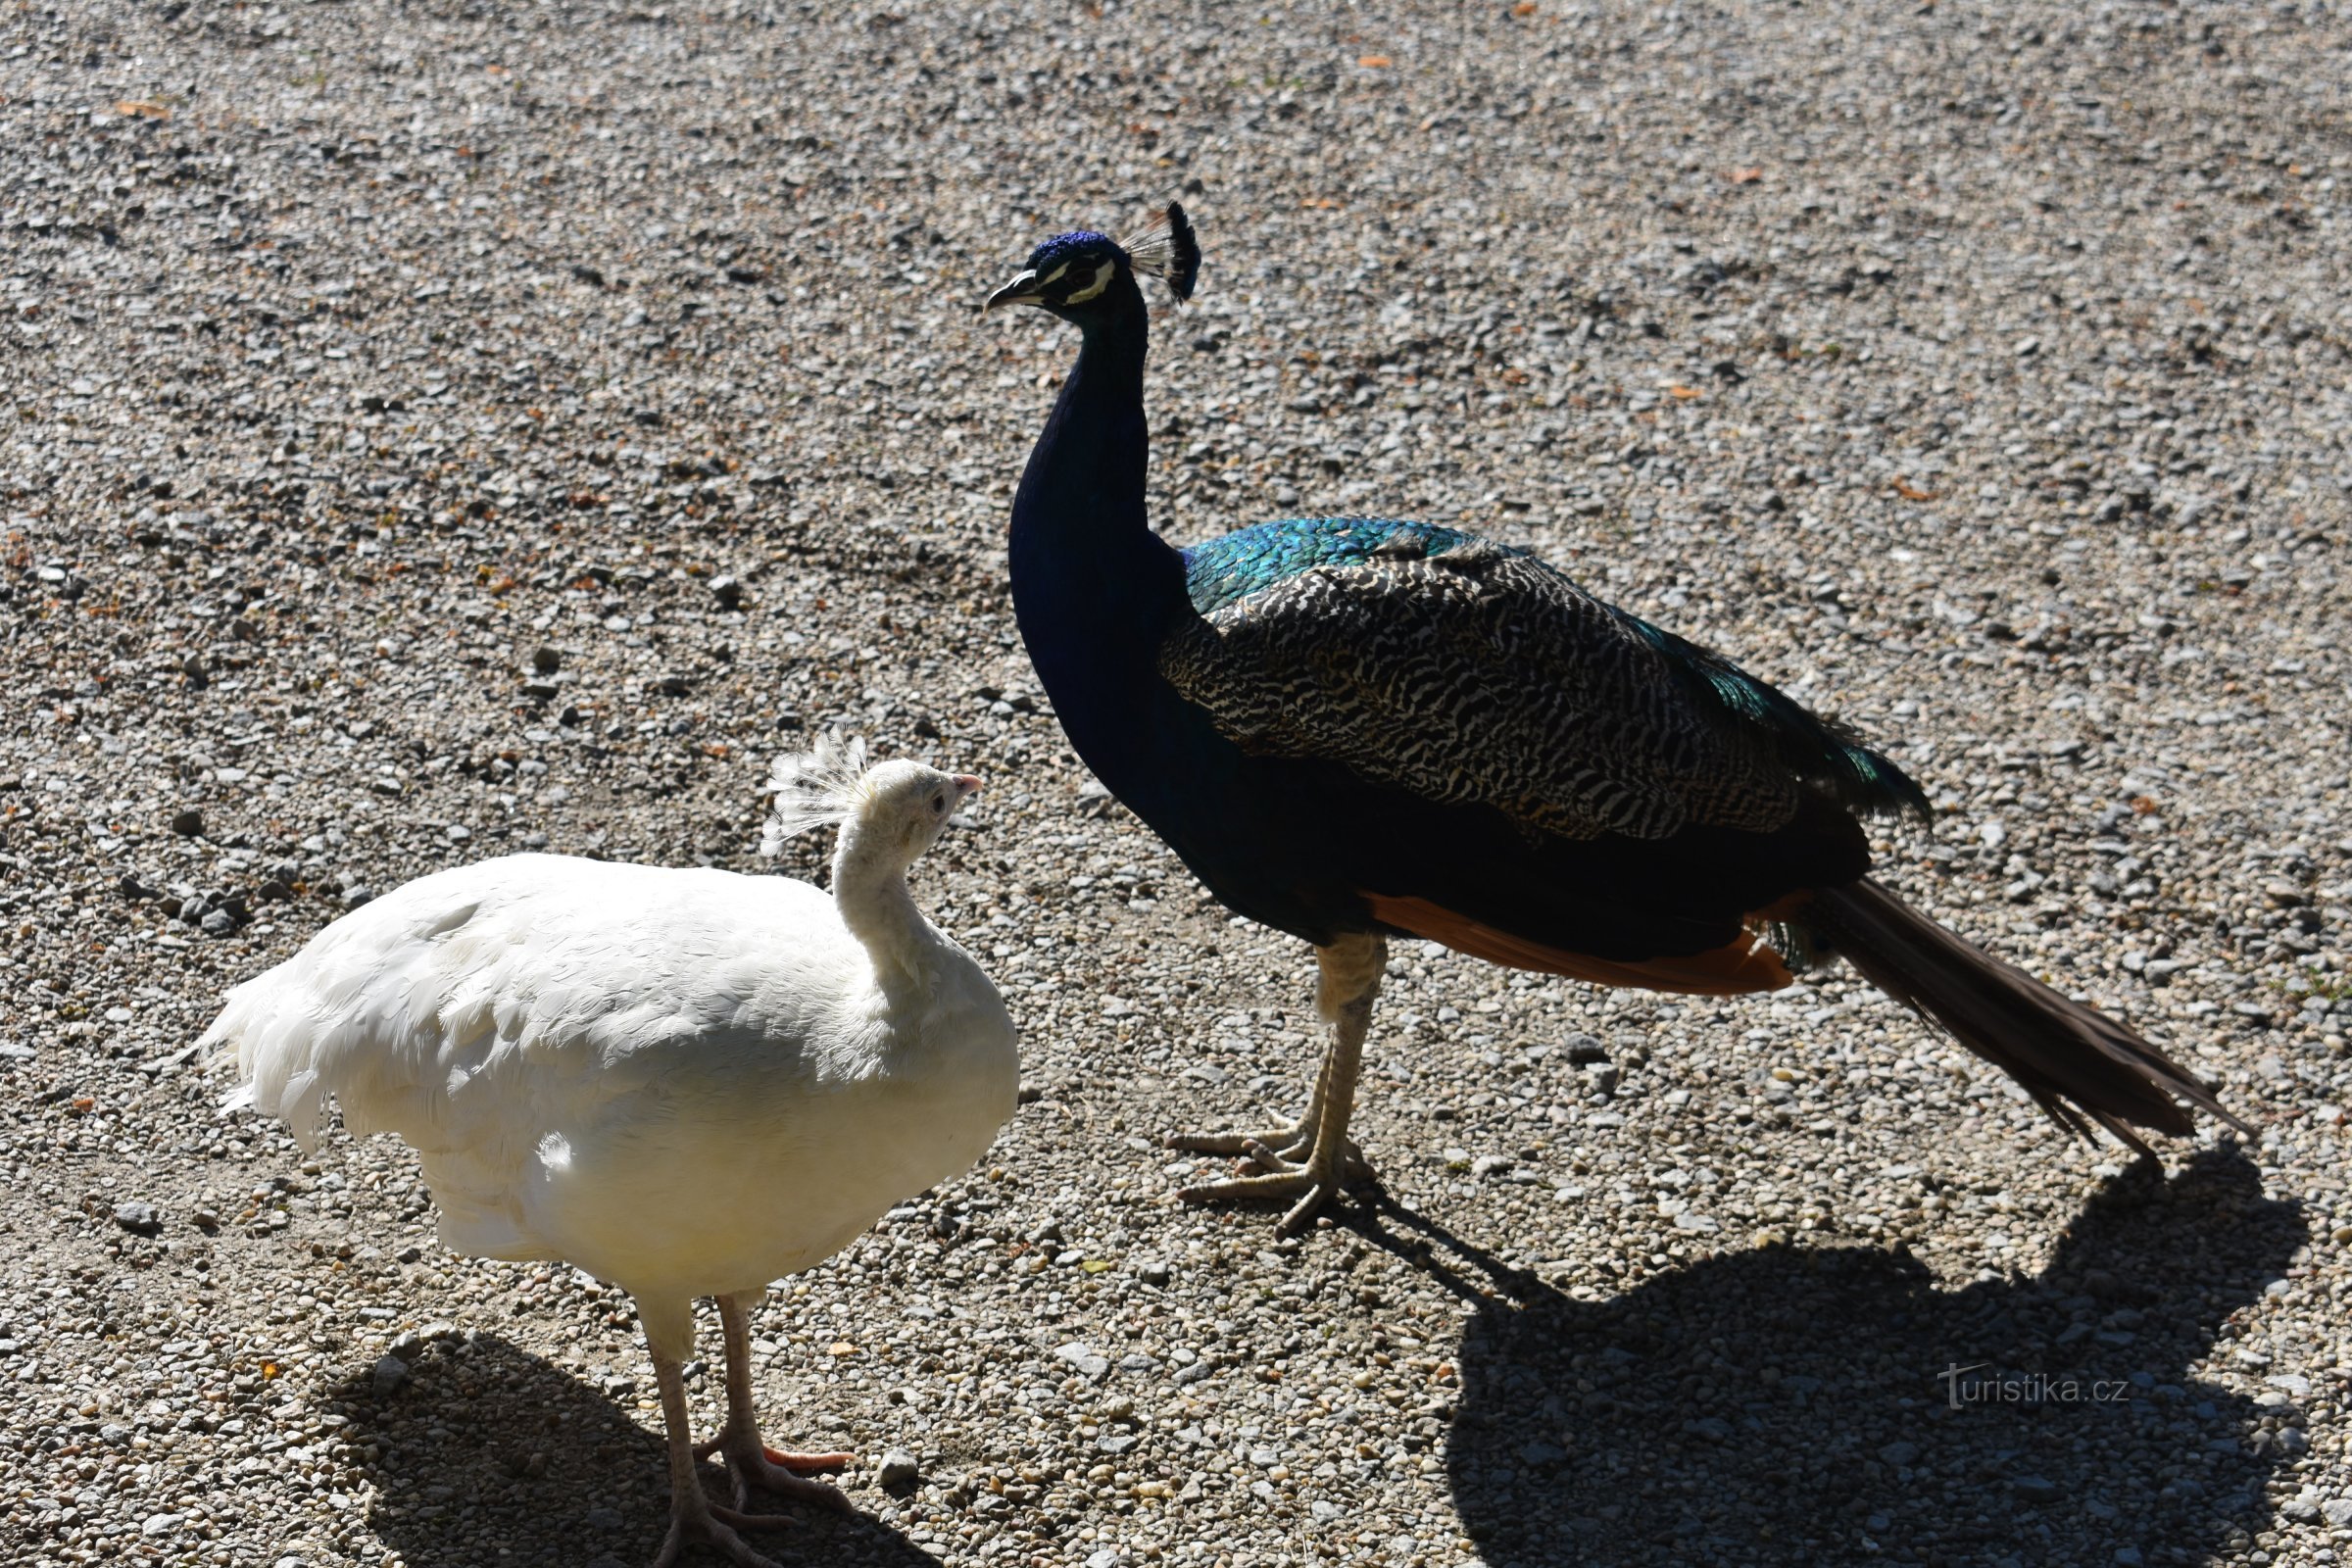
1072, 273
899, 807
908, 803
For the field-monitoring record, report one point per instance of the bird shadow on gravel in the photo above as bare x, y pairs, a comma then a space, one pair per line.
1791, 1405
491, 1454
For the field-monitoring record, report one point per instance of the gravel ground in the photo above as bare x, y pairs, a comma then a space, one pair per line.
437, 429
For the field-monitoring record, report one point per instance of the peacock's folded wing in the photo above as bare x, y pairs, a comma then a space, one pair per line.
1465, 672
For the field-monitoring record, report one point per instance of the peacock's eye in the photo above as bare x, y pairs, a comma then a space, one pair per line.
939, 803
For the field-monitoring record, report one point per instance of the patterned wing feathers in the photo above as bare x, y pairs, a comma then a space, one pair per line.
1469, 676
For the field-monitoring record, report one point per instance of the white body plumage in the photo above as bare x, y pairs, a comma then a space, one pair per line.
686, 1082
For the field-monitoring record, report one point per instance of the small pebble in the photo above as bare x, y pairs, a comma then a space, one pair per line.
138, 1217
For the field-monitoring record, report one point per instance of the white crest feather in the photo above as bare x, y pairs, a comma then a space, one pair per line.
812, 789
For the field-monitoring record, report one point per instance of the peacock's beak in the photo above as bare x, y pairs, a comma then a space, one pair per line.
1022, 290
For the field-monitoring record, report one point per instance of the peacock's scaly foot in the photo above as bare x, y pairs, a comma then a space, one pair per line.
732, 1442
1310, 1160
1289, 1143
1313, 1187
1314, 1182
696, 1524
753, 1463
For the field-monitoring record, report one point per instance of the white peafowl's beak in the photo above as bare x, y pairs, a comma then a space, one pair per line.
1022, 290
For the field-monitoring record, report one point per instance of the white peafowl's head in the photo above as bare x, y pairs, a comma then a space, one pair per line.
899, 808
911, 805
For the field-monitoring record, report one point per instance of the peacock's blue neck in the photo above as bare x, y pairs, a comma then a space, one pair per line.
1093, 588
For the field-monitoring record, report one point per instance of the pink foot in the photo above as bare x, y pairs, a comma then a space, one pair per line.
770, 1471
806, 1461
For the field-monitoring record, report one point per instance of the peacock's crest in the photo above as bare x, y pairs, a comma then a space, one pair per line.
814, 788
1166, 249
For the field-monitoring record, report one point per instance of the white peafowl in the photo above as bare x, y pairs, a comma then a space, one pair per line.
686, 1082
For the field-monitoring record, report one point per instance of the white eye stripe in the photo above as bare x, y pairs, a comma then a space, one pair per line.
1101, 281
1051, 276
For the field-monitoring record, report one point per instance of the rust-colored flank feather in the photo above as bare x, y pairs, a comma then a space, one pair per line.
1743, 964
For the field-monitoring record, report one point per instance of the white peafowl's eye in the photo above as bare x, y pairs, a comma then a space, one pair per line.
938, 801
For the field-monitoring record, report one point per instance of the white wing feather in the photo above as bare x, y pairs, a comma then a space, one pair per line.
682, 1080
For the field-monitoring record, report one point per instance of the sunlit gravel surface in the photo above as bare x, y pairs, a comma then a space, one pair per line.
428, 431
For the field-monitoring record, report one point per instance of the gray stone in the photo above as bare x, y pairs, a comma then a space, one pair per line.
1089, 1363
389, 1374
138, 1217
1585, 1051
899, 1468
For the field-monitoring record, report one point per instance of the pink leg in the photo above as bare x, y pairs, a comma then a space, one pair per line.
692, 1519
750, 1461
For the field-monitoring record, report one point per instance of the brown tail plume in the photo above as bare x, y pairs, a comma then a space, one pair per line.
2078, 1064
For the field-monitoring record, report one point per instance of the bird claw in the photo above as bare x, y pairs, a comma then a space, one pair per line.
1290, 1142
708, 1528
1281, 1151
756, 1464
1314, 1188
733, 1441
788, 1485
1352, 1167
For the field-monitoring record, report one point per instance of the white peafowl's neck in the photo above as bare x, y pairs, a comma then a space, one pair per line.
869, 889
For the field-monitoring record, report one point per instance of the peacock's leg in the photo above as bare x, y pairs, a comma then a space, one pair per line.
1348, 982
692, 1519
749, 1460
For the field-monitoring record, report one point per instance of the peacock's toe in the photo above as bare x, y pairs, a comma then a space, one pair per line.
703, 1526
771, 1471
1312, 1185
1289, 1143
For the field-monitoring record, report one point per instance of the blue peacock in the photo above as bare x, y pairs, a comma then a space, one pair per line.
1356, 728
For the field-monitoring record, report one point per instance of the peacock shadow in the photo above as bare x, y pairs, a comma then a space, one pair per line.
491, 1454
1784, 1404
